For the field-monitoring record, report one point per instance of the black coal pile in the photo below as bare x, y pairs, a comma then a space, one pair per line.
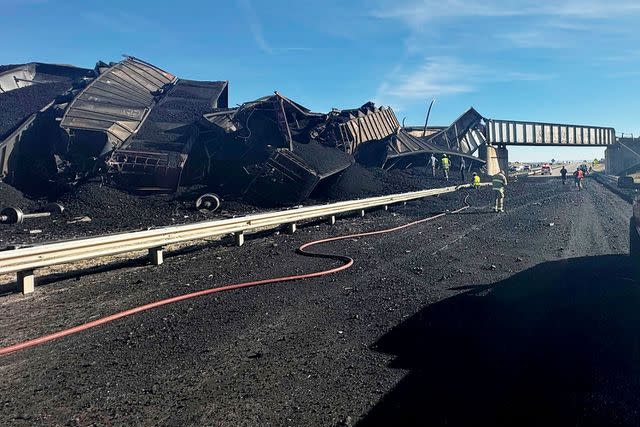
324, 160
10, 196
358, 182
94, 209
17, 105
172, 121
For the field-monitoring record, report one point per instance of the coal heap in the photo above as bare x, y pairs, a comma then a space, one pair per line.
173, 119
17, 105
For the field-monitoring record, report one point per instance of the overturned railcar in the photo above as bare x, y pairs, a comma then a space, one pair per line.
145, 130
30, 95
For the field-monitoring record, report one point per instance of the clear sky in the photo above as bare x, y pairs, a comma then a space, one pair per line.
567, 61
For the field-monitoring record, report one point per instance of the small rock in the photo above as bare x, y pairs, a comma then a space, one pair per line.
79, 219
492, 267
35, 231
551, 224
345, 422
518, 259
274, 245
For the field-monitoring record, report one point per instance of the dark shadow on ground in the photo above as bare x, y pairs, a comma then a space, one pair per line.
557, 344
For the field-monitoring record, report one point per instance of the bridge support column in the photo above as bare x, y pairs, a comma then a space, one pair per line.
622, 157
497, 158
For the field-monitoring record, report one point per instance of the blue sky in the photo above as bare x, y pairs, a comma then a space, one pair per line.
567, 61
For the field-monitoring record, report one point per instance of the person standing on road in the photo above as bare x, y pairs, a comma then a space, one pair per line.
499, 182
445, 166
433, 161
476, 181
563, 172
463, 165
578, 175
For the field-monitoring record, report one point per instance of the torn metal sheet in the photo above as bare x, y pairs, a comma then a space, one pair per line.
283, 179
266, 147
402, 148
420, 132
114, 105
464, 135
25, 75
348, 129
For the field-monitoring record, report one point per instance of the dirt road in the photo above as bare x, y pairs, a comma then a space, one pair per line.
527, 317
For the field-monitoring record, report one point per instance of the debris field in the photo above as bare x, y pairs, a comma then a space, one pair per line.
474, 318
133, 126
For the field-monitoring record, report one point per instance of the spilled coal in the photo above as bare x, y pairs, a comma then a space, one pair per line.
17, 105
93, 208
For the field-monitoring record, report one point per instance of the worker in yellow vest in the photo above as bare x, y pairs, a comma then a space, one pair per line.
476, 181
499, 181
445, 166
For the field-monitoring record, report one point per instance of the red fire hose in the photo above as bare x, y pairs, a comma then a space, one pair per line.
347, 262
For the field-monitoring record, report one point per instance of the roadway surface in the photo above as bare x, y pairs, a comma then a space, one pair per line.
523, 318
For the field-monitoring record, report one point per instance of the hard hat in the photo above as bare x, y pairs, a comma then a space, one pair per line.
444, 155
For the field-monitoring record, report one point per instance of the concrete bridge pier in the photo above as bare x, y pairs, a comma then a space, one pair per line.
497, 158
622, 157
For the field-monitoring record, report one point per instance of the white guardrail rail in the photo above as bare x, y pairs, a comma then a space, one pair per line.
25, 260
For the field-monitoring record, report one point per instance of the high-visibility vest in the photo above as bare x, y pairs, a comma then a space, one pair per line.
498, 182
476, 180
445, 162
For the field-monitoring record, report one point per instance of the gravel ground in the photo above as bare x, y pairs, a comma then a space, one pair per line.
523, 318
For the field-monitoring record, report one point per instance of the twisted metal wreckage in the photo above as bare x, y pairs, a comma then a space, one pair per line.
145, 130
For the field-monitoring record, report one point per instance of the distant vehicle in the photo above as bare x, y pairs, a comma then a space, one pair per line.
546, 169
526, 168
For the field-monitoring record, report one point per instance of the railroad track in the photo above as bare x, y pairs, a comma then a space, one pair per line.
24, 261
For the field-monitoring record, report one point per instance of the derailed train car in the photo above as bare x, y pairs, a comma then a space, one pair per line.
145, 130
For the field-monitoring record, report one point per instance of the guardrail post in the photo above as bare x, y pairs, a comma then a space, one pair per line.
291, 228
26, 281
239, 238
404, 203
332, 220
156, 256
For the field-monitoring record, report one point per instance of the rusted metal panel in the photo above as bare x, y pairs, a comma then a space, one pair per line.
510, 132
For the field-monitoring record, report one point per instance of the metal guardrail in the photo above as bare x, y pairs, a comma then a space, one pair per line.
24, 261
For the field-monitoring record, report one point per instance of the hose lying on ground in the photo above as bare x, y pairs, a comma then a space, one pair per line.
347, 262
